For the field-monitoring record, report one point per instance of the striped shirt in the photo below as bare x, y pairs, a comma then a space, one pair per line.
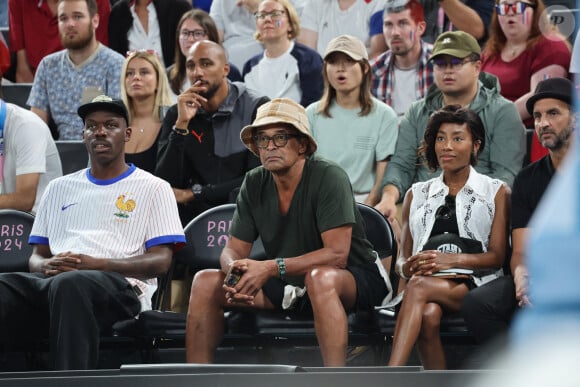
116, 218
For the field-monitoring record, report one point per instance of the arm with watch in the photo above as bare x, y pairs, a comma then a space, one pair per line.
253, 274
176, 167
172, 164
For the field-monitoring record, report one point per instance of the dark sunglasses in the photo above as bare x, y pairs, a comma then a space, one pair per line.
447, 210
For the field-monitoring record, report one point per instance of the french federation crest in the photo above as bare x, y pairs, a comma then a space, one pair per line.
125, 206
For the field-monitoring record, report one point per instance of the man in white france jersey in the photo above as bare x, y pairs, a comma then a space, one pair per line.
101, 236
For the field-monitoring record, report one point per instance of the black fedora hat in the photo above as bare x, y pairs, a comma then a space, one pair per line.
557, 88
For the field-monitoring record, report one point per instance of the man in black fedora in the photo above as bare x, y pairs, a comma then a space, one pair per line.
488, 310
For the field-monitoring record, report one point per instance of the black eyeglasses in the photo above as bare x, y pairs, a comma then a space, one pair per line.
279, 139
275, 15
196, 34
455, 63
517, 8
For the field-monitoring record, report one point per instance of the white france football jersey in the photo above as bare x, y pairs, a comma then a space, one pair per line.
116, 218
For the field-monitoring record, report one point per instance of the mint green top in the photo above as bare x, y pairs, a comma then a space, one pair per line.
355, 142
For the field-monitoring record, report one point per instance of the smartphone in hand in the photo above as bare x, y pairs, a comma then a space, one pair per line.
232, 277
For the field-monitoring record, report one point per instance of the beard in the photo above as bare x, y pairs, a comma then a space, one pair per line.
401, 50
559, 141
211, 90
79, 41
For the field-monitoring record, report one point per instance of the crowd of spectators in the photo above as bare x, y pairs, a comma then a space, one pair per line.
424, 104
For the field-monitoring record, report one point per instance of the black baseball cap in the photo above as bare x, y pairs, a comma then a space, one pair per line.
104, 103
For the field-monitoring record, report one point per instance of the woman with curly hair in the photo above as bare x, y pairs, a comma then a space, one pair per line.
454, 234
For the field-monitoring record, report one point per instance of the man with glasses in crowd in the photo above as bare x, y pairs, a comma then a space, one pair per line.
458, 81
302, 207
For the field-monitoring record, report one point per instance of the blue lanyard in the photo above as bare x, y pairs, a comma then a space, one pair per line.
2, 117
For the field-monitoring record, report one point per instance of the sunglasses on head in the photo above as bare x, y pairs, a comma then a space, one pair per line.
142, 51
517, 8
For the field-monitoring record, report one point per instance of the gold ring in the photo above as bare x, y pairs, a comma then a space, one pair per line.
421, 262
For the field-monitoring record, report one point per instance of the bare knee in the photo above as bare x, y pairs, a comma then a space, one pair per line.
431, 321
320, 281
327, 285
207, 285
417, 288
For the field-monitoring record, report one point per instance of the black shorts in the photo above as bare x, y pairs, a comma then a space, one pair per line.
370, 289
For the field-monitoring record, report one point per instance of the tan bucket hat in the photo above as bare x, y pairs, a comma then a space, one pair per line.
279, 111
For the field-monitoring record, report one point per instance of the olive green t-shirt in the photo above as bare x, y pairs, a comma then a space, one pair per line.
323, 200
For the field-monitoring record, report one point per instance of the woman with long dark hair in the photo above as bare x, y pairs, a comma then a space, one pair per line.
194, 25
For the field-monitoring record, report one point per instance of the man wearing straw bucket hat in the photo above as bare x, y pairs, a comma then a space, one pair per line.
302, 207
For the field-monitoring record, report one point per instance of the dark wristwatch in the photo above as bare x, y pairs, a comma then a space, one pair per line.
197, 189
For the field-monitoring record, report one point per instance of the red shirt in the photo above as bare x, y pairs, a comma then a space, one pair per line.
514, 77
34, 28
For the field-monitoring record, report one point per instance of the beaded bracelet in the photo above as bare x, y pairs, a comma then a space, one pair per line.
281, 268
